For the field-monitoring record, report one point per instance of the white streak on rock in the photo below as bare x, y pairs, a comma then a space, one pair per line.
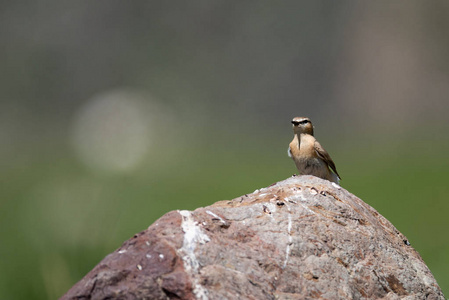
290, 238
215, 216
307, 209
301, 195
192, 236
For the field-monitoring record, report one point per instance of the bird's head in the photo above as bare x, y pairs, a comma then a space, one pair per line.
302, 125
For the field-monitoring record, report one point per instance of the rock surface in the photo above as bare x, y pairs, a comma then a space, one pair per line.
301, 238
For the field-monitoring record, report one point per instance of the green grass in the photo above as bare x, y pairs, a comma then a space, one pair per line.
58, 219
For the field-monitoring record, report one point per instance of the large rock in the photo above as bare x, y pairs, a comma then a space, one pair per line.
301, 238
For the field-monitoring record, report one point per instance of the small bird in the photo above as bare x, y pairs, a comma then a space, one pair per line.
307, 153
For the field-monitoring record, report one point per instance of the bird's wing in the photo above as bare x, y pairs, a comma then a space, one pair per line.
325, 157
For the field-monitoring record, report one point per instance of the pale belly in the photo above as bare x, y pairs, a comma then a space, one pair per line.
312, 166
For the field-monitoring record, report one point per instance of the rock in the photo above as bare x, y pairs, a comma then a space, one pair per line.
301, 238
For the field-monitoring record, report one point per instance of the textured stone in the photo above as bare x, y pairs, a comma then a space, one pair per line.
301, 238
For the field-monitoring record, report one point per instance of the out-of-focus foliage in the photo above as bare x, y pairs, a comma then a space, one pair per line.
113, 113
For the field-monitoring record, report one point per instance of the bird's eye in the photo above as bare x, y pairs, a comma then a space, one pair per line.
304, 122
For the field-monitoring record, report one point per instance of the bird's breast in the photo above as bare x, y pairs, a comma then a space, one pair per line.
305, 157
303, 149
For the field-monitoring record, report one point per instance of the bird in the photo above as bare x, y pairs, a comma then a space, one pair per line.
308, 154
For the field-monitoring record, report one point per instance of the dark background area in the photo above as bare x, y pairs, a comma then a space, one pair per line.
113, 113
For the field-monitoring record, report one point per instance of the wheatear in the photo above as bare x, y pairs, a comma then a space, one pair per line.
307, 153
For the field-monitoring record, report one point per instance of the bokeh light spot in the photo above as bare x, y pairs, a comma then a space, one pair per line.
111, 131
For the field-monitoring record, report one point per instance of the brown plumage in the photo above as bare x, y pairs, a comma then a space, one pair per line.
308, 154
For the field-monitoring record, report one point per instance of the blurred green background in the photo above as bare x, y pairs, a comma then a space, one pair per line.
113, 113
